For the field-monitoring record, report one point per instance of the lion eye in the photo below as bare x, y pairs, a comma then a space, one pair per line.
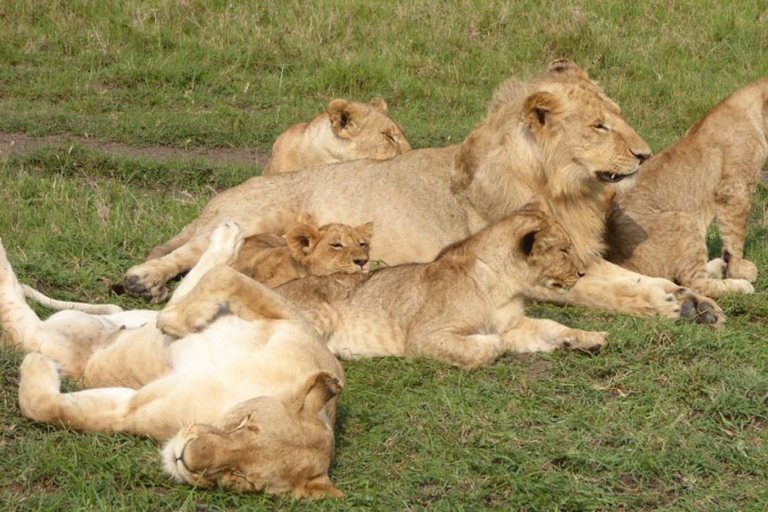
337, 245
600, 126
363, 244
565, 251
390, 137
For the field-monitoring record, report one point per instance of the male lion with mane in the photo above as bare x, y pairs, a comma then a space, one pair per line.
248, 403
660, 227
347, 130
556, 139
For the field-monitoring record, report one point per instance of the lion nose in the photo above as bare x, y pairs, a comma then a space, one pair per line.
360, 263
641, 156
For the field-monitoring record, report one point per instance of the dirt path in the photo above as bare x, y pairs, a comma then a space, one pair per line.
19, 143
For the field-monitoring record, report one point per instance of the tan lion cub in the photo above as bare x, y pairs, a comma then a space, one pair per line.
659, 227
464, 308
248, 403
347, 130
306, 250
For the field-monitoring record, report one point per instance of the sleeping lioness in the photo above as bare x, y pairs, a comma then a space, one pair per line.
248, 403
347, 130
464, 308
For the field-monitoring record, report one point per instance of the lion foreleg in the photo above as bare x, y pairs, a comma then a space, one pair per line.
542, 335
732, 205
223, 290
612, 288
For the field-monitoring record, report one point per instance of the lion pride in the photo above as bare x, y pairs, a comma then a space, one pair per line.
557, 139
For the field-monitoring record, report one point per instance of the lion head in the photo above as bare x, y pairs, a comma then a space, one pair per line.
330, 249
560, 131
549, 254
559, 139
366, 130
263, 444
347, 130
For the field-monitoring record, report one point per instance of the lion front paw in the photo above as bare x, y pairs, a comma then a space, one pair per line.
699, 308
589, 341
184, 319
741, 269
142, 281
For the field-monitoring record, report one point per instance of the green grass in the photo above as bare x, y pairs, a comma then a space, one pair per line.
670, 416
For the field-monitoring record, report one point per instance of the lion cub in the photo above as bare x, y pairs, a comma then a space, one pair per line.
306, 250
347, 130
464, 308
659, 227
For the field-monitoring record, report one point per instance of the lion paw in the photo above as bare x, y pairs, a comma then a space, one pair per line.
180, 320
225, 243
699, 308
589, 341
741, 269
716, 268
39, 386
139, 280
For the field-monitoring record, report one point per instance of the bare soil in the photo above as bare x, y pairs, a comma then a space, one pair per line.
20, 143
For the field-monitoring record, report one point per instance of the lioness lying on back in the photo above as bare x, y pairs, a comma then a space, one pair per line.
347, 130
248, 403
659, 227
464, 308
305, 250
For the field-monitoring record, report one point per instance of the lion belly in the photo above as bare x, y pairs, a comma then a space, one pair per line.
245, 358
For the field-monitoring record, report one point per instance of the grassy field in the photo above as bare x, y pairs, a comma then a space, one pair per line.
671, 416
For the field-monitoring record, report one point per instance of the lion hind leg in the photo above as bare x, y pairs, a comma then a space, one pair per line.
464, 351
19, 321
40, 399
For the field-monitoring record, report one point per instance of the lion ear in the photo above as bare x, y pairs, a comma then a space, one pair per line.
378, 104
342, 113
318, 389
528, 241
539, 108
301, 239
319, 487
366, 230
567, 67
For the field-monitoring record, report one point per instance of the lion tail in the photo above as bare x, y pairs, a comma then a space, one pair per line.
61, 305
